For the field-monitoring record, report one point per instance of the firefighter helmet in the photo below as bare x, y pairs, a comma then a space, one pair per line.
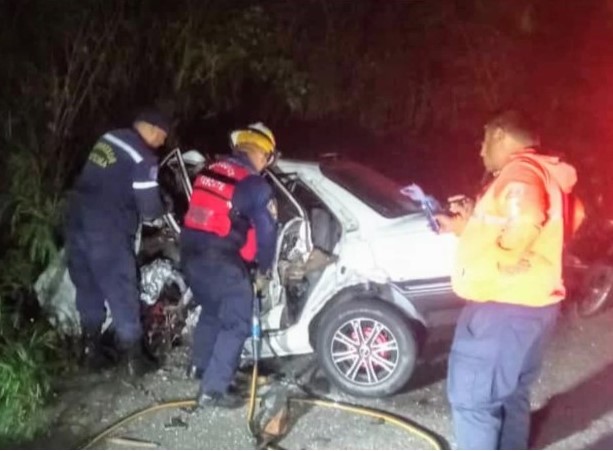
257, 135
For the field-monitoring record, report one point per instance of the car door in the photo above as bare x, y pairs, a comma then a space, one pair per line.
176, 188
294, 243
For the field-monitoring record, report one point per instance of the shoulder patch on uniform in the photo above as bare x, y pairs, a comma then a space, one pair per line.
102, 155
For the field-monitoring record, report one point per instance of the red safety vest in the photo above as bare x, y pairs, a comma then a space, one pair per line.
211, 203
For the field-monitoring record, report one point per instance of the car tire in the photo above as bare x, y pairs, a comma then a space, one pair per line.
382, 364
596, 291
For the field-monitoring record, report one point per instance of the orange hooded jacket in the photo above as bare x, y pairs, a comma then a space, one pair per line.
511, 247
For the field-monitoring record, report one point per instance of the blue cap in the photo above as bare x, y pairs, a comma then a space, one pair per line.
154, 117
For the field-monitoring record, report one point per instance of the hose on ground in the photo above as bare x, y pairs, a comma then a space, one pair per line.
403, 424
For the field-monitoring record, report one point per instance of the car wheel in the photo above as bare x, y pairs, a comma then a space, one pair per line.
366, 347
597, 288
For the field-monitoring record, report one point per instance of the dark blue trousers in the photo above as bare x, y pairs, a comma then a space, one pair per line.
221, 286
496, 355
102, 266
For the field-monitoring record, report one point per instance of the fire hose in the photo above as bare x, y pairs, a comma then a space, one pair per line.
404, 424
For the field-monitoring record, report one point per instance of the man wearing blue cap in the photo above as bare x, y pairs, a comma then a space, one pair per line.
116, 189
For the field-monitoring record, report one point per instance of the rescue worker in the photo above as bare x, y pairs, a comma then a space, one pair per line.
116, 188
231, 221
509, 269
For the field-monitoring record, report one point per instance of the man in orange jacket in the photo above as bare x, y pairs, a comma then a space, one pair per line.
509, 269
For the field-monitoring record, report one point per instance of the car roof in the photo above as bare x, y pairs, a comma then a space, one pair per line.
376, 190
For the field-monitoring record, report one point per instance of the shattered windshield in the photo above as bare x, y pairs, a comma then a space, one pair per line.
374, 189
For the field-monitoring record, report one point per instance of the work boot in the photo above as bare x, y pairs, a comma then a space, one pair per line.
217, 399
236, 387
92, 353
135, 362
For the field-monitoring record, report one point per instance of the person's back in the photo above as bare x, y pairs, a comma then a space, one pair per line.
248, 193
121, 168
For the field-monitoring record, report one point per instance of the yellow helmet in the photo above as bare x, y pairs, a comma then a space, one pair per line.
255, 135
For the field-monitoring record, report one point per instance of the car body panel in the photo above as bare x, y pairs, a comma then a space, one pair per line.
372, 249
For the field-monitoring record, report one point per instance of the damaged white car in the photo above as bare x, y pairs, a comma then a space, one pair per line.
358, 272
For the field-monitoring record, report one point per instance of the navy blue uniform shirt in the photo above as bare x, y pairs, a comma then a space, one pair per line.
253, 198
118, 185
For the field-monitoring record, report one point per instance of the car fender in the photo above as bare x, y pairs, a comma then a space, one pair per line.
403, 303
382, 292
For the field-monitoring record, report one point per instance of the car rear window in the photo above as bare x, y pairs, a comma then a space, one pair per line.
371, 187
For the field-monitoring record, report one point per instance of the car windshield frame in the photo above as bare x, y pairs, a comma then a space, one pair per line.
376, 190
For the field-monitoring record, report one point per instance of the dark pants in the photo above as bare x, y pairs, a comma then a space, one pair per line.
103, 267
221, 286
496, 355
